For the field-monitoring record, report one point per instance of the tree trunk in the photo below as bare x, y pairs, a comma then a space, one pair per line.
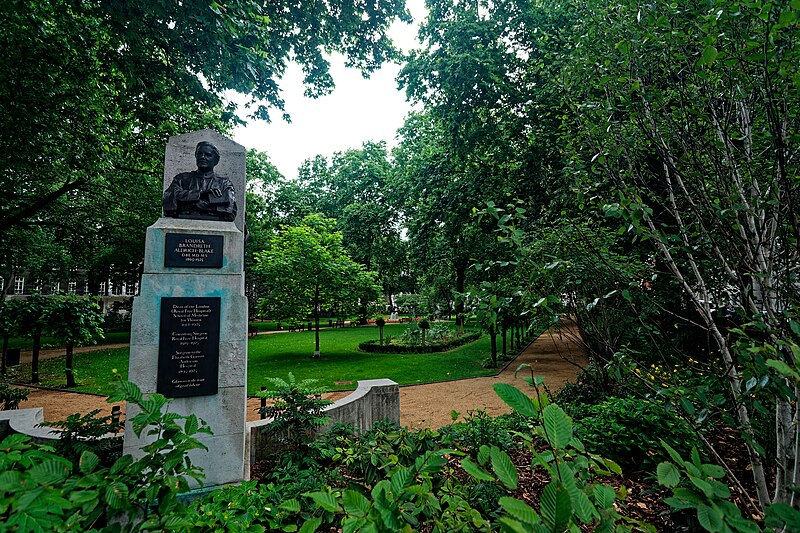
461, 275
380, 330
37, 344
505, 334
316, 323
5, 354
70, 374
493, 338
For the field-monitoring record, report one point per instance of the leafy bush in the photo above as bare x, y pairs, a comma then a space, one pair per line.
592, 386
11, 397
296, 412
479, 428
41, 491
81, 433
695, 486
628, 430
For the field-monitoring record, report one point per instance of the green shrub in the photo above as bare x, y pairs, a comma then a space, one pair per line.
478, 428
695, 486
628, 430
296, 412
81, 433
41, 491
593, 385
11, 397
412, 342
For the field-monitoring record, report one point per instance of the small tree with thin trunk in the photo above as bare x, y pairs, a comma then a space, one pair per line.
74, 319
380, 322
32, 319
306, 269
9, 326
423, 326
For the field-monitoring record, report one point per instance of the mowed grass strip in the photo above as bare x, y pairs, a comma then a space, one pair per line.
340, 366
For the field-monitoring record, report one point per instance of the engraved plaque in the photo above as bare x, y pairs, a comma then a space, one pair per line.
192, 250
188, 347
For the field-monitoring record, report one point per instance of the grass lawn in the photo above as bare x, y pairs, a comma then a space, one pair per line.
278, 354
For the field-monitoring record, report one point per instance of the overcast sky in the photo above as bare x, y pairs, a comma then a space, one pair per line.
358, 110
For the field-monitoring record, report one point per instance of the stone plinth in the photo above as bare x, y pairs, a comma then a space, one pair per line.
189, 323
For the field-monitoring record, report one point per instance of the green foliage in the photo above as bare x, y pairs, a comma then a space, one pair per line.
572, 497
295, 410
438, 337
74, 320
11, 397
306, 269
41, 491
480, 429
695, 485
629, 431
89, 432
592, 386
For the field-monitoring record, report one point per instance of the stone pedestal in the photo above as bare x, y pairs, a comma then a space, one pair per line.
189, 322
223, 410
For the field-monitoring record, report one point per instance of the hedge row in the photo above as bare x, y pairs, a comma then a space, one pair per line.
375, 347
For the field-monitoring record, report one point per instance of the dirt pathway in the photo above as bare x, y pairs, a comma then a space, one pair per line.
554, 355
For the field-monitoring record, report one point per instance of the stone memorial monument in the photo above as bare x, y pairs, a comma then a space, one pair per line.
189, 324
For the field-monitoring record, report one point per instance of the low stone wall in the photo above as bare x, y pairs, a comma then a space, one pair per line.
26, 421
374, 400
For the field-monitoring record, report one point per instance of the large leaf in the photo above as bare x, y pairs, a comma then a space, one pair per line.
310, 525
556, 506
475, 471
710, 518
400, 478
355, 503
116, 495
668, 475
292, 505
504, 468
516, 399
89, 461
604, 495
50, 472
558, 426
326, 500
520, 510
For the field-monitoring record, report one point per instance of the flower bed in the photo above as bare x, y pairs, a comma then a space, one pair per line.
393, 346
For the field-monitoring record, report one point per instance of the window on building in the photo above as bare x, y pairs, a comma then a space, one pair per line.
72, 287
56, 287
103, 287
130, 289
19, 285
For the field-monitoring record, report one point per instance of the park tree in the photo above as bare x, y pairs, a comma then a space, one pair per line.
262, 219
74, 319
353, 189
10, 311
306, 270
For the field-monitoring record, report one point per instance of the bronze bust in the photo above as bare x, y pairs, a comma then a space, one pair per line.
201, 194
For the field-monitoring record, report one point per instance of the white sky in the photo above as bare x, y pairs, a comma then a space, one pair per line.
357, 111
